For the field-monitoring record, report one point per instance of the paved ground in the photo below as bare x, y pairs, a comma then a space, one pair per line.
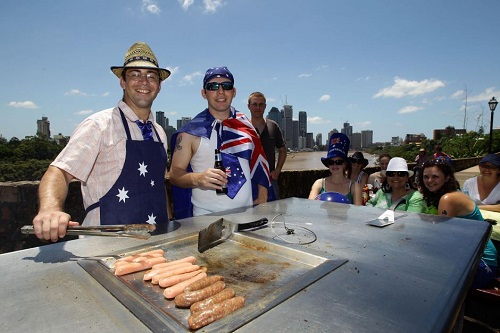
461, 176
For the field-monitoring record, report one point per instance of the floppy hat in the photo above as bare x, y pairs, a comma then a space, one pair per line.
491, 158
140, 55
358, 156
338, 146
217, 72
397, 164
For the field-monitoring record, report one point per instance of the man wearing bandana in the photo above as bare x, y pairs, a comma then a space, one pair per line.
222, 127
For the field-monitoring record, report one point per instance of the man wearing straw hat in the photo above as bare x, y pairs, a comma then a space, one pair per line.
119, 155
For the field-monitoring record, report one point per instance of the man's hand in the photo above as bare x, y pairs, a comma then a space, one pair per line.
211, 179
52, 225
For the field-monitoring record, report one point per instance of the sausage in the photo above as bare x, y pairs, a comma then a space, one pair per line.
190, 259
226, 293
185, 299
204, 283
172, 280
176, 271
175, 290
153, 271
152, 253
215, 312
132, 267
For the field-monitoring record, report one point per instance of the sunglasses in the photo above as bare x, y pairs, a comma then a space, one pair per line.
334, 162
396, 173
488, 166
357, 161
214, 86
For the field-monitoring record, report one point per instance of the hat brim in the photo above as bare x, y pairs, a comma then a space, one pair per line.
118, 70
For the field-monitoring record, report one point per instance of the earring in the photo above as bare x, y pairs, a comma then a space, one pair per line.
407, 186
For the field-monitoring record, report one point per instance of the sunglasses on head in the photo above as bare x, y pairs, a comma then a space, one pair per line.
334, 162
396, 173
213, 86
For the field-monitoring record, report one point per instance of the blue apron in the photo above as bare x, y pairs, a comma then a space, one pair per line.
138, 195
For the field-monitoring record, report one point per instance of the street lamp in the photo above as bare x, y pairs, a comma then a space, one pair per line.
492, 104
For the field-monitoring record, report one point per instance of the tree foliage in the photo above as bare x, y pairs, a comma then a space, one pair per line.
471, 144
26, 159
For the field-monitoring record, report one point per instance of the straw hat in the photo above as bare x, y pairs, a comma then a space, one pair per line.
140, 55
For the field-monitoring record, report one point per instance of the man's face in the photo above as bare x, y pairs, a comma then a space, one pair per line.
140, 87
257, 106
218, 100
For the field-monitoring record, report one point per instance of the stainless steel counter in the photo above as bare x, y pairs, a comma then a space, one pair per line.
410, 276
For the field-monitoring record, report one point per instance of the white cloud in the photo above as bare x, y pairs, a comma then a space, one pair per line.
409, 109
324, 98
305, 75
211, 6
150, 6
485, 96
24, 105
364, 124
190, 78
173, 70
185, 4
106, 94
402, 88
317, 121
458, 94
75, 92
84, 112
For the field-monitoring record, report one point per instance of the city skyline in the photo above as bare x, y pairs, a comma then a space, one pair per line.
394, 67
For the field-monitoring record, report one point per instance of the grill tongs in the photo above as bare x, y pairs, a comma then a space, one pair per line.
141, 231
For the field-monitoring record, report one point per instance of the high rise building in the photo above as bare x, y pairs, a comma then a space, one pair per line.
161, 120
43, 127
347, 130
287, 128
366, 138
275, 114
355, 141
302, 123
295, 134
319, 139
183, 121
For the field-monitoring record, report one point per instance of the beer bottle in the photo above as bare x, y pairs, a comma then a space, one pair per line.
218, 165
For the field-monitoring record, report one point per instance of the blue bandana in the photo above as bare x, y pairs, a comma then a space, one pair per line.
217, 72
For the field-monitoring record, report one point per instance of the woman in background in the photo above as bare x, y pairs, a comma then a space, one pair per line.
484, 189
356, 173
377, 178
396, 191
443, 197
336, 161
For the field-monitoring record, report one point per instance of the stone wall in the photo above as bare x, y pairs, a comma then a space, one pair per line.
19, 203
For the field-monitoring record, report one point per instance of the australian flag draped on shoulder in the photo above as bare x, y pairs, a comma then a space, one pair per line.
235, 138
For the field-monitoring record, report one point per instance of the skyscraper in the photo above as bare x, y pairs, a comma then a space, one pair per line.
302, 123
275, 114
288, 125
43, 127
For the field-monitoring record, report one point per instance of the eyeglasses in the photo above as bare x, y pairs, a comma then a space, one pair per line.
137, 76
334, 162
356, 161
396, 173
214, 86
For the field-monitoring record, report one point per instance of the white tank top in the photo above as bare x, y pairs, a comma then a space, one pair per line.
207, 201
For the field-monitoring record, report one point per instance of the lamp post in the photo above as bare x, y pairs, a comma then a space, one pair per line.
492, 104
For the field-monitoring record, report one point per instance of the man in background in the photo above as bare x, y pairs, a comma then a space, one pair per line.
270, 137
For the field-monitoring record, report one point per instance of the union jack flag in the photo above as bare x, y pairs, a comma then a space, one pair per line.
240, 139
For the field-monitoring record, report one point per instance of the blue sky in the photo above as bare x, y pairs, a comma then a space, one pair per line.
392, 66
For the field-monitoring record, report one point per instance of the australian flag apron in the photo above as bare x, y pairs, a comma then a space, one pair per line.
138, 195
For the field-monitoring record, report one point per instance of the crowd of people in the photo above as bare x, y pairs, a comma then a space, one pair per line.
120, 157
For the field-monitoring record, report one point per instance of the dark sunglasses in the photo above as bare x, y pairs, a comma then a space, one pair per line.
214, 86
334, 162
357, 161
488, 166
396, 173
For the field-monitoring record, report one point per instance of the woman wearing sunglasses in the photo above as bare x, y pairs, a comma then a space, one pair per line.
358, 164
337, 162
397, 192
443, 196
